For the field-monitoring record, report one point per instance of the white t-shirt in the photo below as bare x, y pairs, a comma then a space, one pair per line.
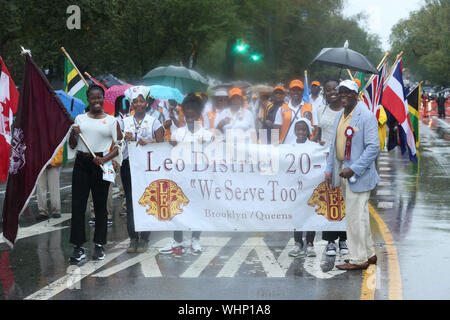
184, 135
144, 129
98, 133
326, 117
295, 113
242, 119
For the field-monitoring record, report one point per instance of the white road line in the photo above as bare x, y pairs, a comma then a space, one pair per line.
385, 175
383, 163
40, 228
132, 261
65, 282
312, 265
384, 192
150, 268
265, 255
384, 183
384, 169
284, 260
211, 251
385, 205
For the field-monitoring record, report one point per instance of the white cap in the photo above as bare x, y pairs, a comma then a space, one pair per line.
221, 93
349, 84
308, 123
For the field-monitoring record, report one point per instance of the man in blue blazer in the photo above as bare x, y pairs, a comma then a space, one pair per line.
351, 165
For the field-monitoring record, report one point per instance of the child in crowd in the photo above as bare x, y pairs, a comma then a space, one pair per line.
303, 130
193, 131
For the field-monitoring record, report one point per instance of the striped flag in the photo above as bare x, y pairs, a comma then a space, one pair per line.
394, 99
73, 83
413, 106
374, 92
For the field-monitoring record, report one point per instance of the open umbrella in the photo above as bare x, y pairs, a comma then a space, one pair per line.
259, 88
112, 93
184, 79
166, 93
345, 58
73, 105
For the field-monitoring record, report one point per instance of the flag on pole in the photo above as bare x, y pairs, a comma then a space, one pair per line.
9, 98
394, 99
360, 76
413, 106
306, 97
41, 127
73, 83
374, 92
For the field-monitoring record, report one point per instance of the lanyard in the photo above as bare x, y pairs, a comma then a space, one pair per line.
137, 125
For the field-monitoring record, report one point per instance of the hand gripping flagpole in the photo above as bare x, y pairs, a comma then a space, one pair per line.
85, 82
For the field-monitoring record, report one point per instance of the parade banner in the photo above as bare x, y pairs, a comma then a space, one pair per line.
233, 187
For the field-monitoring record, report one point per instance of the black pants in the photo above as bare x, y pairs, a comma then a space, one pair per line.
310, 235
125, 174
178, 235
333, 235
86, 177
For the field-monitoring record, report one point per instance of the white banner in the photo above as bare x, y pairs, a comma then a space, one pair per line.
225, 187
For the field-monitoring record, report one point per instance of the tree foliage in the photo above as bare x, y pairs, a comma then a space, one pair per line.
129, 38
425, 39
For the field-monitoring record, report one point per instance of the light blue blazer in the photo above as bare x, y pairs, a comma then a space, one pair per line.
364, 151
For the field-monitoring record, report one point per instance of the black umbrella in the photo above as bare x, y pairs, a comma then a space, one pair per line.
345, 58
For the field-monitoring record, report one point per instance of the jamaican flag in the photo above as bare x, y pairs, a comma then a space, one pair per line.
74, 86
413, 105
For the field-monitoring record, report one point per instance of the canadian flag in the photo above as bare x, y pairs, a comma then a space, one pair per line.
9, 98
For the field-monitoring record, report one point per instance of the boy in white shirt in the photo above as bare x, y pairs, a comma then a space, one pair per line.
193, 132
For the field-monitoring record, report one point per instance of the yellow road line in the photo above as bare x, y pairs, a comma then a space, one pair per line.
395, 280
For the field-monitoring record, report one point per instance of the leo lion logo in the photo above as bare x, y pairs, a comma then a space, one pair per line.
330, 204
164, 199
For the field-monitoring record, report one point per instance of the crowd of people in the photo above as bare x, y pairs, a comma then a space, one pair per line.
287, 118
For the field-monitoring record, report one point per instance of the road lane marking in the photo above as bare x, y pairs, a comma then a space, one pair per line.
312, 265
384, 192
283, 259
395, 280
369, 283
384, 169
132, 261
205, 257
385, 175
40, 228
89, 267
384, 183
385, 205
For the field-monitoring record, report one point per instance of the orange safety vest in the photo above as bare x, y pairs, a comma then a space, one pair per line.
287, 117
212, 115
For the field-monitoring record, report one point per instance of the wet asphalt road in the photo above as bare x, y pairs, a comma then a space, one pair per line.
410, 225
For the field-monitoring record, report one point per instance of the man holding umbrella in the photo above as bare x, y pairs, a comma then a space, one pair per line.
351, 164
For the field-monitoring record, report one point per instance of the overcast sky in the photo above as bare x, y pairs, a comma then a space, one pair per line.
382, 14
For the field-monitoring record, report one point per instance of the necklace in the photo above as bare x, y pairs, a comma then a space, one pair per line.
137, 125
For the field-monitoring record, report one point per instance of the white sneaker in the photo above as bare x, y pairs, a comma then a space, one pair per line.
331, 249
296, 250
196, 248
310, 251
343, 249
172, 247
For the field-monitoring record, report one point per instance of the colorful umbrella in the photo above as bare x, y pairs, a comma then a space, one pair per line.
181, 78
166, 93
112, 93
73, 105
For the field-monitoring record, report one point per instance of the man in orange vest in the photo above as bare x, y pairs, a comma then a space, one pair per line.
278, 94
289, 114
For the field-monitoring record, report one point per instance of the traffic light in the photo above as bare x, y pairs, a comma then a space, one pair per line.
256, 57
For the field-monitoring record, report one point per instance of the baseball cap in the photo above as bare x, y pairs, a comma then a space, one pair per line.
349, 84
235, 91
279, 88
296, 83
317, 83
221, 93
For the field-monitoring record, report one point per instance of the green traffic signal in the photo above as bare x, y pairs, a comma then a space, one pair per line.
256, 57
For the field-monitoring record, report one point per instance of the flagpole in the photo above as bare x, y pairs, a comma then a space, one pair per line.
392, 69
350, 74
73, 64
95, 80
85, 82
373, 75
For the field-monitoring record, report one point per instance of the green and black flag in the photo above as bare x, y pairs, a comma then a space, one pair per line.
413, 105
74, 86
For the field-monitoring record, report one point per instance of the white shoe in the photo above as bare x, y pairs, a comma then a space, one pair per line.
196, 248
331, 249
343, 249
172, 247
296, 250
310, 251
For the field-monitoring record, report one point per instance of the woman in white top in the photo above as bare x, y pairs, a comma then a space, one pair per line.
141, 129
102, 133
235, 117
